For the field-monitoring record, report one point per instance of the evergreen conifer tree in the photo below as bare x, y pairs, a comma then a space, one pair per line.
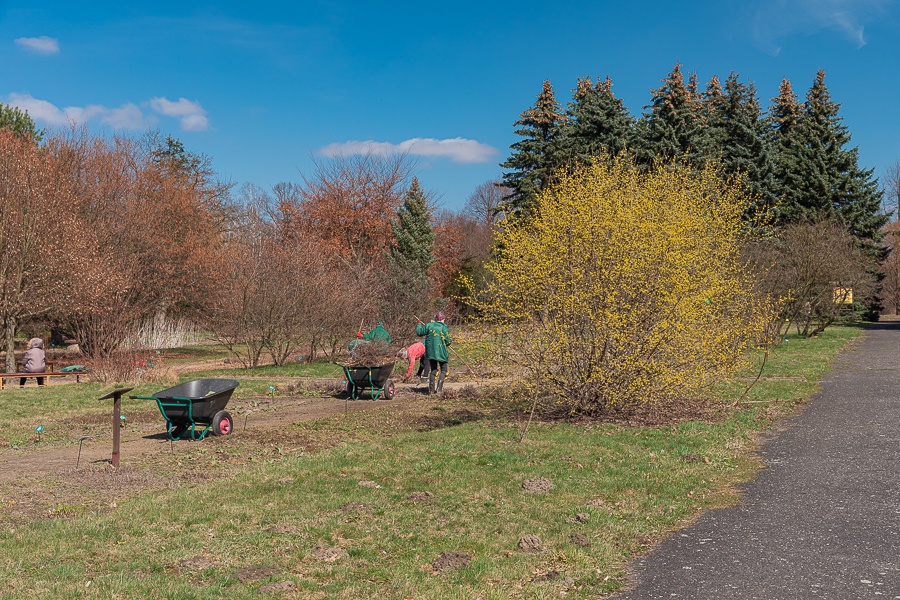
408, 286
414, 237
598, 124
714, 114
819, 175
535, 158
739, 140
783, 121
19, 122
674, 125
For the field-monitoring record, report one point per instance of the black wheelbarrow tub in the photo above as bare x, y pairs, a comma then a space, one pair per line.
377, 378
207, 396
193, 403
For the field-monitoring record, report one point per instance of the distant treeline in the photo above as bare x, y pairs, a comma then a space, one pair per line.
795, 157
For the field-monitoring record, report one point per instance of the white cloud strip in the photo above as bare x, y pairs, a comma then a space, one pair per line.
191, 115
776, 19
39, 45
458, 150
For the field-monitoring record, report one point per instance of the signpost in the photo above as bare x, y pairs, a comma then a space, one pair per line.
116, 395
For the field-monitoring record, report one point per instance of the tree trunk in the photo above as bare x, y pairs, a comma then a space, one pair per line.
9, 329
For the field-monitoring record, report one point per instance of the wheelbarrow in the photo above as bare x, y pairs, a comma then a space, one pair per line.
376, 379
194, 404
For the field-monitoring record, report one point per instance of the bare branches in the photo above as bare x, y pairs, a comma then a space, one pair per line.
813, 267
46, 250
348, 203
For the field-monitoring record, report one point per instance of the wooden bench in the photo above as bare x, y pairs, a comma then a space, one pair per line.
4, 376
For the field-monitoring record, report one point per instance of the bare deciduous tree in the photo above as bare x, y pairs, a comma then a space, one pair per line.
348, 203
486, 202
814, 267
889, 269
279, 294
47, 253
159, 216
892, 188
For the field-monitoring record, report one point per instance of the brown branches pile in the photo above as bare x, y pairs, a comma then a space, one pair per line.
370, 354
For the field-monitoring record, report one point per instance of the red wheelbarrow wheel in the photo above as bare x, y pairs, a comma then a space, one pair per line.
222, 423
388, 389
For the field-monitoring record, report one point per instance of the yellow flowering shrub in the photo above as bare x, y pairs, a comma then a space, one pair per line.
625, 287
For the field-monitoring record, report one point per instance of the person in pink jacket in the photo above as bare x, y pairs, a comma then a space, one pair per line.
414, 353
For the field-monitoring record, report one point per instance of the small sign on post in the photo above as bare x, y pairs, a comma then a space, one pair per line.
116, 395
843, 295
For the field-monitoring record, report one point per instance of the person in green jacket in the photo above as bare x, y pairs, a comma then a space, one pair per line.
378, 334
437, 341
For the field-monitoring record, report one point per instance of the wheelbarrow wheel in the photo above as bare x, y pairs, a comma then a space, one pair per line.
388, 389
222, 423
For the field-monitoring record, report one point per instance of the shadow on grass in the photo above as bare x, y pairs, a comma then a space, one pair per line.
441, 420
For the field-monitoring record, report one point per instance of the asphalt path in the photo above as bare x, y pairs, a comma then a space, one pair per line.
822, 520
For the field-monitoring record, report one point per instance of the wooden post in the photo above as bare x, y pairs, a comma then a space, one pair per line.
117, 426
116, 395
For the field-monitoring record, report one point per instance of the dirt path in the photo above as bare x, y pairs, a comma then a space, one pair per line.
145, 434
75, 475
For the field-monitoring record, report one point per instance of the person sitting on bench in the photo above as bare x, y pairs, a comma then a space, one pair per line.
34, 361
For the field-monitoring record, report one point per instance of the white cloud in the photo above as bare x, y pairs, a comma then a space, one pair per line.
39, 45
191, 114
458, 150
127, 116
777, 19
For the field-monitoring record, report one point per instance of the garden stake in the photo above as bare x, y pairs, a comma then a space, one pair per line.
80, 442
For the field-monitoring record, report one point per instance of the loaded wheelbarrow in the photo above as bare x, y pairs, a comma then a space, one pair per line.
194, 404
376, 379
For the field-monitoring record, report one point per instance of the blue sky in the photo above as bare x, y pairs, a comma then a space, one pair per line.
264, 88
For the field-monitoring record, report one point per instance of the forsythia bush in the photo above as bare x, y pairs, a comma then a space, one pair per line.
625, 287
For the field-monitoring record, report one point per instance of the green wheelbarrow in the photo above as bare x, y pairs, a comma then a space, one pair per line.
376, 379
195, 408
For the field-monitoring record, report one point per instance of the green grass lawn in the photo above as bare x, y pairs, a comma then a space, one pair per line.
373, 515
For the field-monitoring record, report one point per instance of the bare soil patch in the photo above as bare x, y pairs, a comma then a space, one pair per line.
52, 480
73, 477
451, 559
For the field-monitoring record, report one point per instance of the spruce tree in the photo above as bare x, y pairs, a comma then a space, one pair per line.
413, 235
783, 120
819, 175
597, 124
408, 289
674, 125
739, 140
535, 158
715, 116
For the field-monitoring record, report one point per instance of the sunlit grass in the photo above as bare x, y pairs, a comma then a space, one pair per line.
393, 495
